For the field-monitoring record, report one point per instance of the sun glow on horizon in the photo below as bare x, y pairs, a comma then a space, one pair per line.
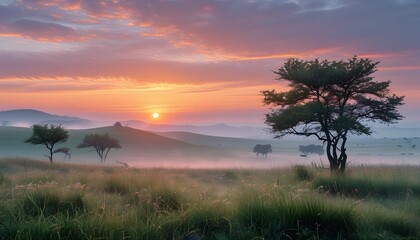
155, 115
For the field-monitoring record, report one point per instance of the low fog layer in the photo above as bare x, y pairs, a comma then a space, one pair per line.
246, 161
187, 150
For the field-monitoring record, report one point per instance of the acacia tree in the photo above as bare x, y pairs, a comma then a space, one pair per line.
328, 100
48, 135
101, 143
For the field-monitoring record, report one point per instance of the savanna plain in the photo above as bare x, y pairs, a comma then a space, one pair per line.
40, 200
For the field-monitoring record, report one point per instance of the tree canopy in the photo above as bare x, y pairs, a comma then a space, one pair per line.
48, 135
101, 143
328, 100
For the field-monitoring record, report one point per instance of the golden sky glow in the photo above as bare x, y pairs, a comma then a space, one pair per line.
191, 61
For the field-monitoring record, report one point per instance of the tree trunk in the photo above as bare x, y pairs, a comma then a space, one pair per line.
51, 155
337, 163
343, 162
106, 153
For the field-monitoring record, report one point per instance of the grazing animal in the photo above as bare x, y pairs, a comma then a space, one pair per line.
66, 152
262, 149
123, 163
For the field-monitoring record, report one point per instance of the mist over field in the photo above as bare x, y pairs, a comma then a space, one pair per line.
146, 149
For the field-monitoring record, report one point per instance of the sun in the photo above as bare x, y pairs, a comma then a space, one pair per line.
155, 115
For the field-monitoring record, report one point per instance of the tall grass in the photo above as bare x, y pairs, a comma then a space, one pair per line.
117, 186
302, 173
87, 202
48, 203
357, 187
296, 218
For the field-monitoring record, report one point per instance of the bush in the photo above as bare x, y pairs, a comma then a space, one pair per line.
302, 173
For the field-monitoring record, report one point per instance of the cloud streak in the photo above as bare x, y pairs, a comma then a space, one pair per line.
198, 46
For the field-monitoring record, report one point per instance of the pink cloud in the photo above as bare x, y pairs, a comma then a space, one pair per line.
203, 42
41, 31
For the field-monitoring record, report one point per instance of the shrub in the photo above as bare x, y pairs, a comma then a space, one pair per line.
302, 173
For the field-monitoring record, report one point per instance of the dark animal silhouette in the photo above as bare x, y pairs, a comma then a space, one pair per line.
262, 149
308, 149
66, 152
123, 163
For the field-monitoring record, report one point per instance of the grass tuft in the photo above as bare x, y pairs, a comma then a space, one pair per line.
157, 200
46, 203
285, 217
302, 173
199, 223
2, 179
116, 186
230, 175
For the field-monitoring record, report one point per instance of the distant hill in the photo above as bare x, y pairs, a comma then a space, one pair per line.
143, 142
28, 117
137, 145
225, 142
211, 130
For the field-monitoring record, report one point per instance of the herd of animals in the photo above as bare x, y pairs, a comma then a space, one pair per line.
265, 149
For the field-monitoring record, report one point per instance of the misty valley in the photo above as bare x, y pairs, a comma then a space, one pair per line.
191, 150
183, 185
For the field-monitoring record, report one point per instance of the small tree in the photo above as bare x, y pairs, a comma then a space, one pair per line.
101, 143
328, 100
48, 135
118, 124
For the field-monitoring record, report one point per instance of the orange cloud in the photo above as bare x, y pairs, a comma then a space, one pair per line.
189, 57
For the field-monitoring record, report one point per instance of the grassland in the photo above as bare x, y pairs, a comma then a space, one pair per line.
39, 200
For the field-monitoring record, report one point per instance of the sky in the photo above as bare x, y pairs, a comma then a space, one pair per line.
192, 61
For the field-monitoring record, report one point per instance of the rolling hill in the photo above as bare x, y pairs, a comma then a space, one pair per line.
28, 117
136, 145
214, 141
211, 130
